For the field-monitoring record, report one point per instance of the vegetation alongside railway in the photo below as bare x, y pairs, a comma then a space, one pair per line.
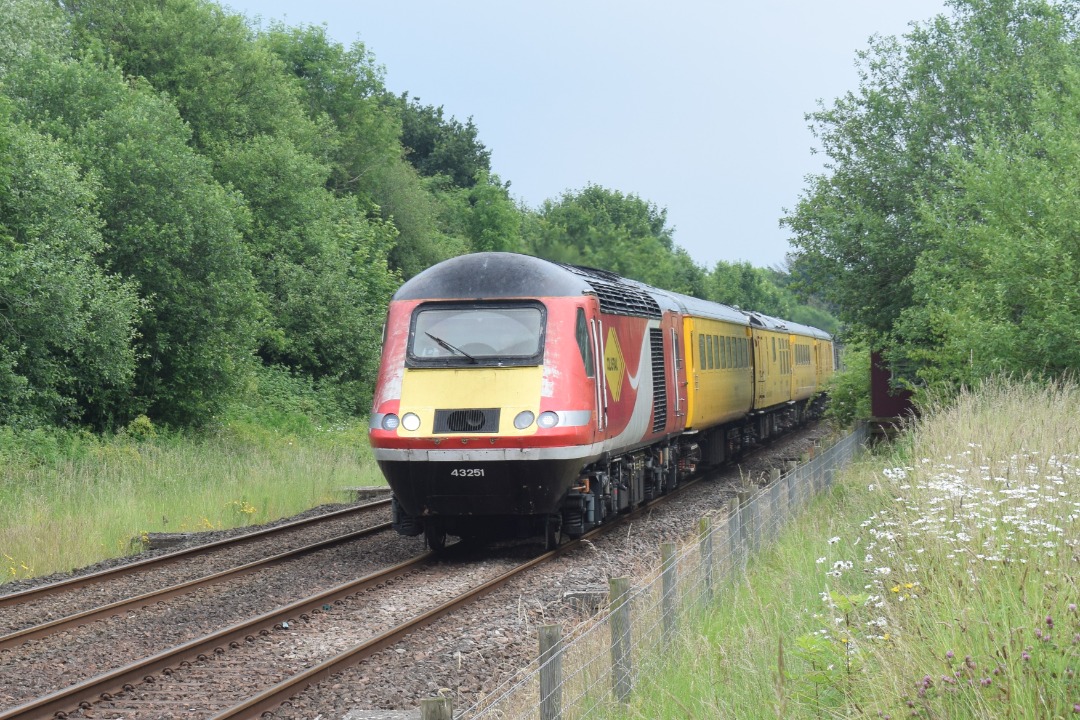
936, 580
71, 498
944, 225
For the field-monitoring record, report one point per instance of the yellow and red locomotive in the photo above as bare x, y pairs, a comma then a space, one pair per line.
518, 396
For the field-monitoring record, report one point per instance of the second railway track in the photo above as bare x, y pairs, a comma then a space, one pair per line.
45, 603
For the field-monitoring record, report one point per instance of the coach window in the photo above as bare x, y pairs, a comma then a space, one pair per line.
583, 342
701, 353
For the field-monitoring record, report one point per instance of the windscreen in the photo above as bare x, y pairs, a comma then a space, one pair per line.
478, 334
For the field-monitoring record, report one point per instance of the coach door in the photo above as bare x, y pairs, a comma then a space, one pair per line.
761, 365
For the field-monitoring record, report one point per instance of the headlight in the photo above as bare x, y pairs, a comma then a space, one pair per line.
524, 419
547, 419
411, 421
390, 421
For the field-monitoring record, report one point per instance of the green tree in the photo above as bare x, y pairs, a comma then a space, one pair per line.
437, 145
1000, 289
948, 83
606, 229
298, 126
169, 227
750, 288
414, 207
323, 265
226, 86
344, 92
484, 215
66, 325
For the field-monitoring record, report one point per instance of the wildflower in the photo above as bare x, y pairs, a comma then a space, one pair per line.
949, 654
1072, 607
820, 560
1049, 622
834, 540
1025, 656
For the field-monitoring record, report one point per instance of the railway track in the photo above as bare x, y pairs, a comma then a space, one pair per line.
143, 579
250, 667
253, 666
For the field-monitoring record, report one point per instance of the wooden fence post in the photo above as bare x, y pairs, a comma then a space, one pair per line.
621, 668
791, 479
550, 672
668, 554
436, 708
776, 513
706, 545
746, 519
755, 522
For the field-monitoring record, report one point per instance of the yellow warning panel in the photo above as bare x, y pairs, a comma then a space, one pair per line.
614, 364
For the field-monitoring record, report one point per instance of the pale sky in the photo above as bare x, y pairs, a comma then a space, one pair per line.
697, 107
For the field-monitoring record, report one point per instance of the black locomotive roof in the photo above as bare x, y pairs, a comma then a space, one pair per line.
491, 275
495, 275
501, 275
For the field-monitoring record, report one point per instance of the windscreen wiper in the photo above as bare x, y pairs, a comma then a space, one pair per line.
451, 348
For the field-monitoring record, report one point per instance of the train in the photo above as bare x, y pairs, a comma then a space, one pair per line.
522, 397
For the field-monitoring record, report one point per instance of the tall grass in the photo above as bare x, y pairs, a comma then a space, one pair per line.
939, 581
70, 498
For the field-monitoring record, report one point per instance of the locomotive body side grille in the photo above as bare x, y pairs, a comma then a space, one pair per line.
659, 379
474, 420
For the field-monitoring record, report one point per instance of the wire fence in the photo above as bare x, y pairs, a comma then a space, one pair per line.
583, 673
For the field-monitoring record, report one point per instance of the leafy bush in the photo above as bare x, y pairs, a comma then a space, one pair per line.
849, 390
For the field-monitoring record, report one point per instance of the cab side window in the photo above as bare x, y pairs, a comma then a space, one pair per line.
583, 342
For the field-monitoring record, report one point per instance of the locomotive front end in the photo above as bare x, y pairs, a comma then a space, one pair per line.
478, 424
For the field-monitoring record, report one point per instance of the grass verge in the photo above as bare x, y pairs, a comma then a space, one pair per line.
70, 498
938, 581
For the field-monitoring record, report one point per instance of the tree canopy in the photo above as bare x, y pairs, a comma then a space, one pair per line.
189, 201
941, 227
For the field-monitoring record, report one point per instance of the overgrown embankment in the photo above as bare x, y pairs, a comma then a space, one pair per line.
937, 580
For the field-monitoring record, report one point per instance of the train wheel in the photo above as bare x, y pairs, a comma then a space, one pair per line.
435, 536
